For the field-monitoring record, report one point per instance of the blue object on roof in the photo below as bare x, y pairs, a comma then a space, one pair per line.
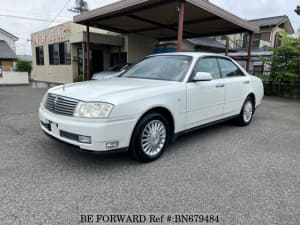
164, 50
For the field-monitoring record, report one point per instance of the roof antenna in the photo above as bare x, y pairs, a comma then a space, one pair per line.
81, 6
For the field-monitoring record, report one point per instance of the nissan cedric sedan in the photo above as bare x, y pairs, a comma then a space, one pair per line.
152, 103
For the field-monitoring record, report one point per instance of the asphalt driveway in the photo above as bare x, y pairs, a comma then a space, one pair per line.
245, 175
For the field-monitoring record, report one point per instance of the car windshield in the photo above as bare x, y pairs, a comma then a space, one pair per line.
163, 67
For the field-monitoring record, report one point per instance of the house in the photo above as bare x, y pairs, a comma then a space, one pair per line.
7, 50
267, 37
9, 38
58, 53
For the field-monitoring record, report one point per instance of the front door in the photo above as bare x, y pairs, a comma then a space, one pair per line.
205, 99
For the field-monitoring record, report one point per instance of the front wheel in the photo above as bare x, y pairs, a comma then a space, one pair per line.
150, 137
246, 113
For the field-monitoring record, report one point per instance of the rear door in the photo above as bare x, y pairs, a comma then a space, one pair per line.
205, 99
237, 86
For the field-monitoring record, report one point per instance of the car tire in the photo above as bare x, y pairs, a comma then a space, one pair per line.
247, 112
150, 137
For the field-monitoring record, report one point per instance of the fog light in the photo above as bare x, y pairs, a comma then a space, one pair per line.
84, 139
111, 145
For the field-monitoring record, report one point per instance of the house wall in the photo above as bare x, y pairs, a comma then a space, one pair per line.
64, 73
275, 30
47, 72
138, 46
9, 40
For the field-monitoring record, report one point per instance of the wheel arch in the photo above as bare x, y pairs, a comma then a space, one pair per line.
252, 95
163, 111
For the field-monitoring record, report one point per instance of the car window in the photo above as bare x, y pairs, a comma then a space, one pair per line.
208, 65
228, 68
160, 67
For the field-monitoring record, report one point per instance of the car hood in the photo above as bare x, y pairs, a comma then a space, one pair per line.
104, 90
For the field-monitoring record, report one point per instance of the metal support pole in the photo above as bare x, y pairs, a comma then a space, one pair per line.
249, 51
227, 46
180, 26
83, 58
88, 51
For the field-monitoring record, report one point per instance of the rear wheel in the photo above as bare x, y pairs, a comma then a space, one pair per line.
150, 137
247, 112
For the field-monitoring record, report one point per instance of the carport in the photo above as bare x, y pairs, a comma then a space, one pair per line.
166, 20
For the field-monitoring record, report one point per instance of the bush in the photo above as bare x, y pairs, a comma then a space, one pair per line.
23, 66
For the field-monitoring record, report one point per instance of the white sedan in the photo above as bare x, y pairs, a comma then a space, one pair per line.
156, 100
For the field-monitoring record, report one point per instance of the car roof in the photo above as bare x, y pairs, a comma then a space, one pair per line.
193, 54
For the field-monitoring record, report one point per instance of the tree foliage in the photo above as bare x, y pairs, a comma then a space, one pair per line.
23, 66
284, 79
285, 60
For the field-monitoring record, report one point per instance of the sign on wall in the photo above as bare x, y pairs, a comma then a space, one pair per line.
61, 33
51, 36
43, 37
36, 39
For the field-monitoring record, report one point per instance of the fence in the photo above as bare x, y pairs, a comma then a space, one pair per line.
14, 78
289, 89
283, 89
264, 73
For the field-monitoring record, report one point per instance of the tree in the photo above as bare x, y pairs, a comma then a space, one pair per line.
285, 61
23, 66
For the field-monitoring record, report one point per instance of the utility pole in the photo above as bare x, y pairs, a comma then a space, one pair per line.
82, 6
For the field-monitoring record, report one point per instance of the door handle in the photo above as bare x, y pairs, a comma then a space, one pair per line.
220, 85
246, 82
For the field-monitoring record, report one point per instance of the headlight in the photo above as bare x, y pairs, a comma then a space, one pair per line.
99, 110
44, 101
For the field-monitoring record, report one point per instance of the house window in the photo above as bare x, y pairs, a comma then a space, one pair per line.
265, 36
60, 53
39, 52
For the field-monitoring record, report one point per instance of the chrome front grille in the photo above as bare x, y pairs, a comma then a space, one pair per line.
61, 105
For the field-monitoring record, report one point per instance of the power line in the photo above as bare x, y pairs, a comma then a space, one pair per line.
35, 15
31, 18
65, 5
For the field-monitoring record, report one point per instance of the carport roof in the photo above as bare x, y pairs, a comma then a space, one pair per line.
159, 19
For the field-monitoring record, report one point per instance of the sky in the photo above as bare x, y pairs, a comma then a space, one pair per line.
14, 14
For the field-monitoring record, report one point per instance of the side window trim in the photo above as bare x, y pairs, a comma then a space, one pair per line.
196, 64
242, 73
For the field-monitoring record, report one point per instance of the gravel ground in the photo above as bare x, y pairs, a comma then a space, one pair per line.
247, 175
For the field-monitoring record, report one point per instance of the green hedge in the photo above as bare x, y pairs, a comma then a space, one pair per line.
290, 90
23, 66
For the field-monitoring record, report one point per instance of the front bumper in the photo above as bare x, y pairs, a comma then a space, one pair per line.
101, 131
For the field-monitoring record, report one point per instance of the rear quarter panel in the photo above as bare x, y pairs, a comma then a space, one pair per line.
257, 88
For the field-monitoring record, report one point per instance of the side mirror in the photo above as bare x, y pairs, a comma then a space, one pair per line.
202, 76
